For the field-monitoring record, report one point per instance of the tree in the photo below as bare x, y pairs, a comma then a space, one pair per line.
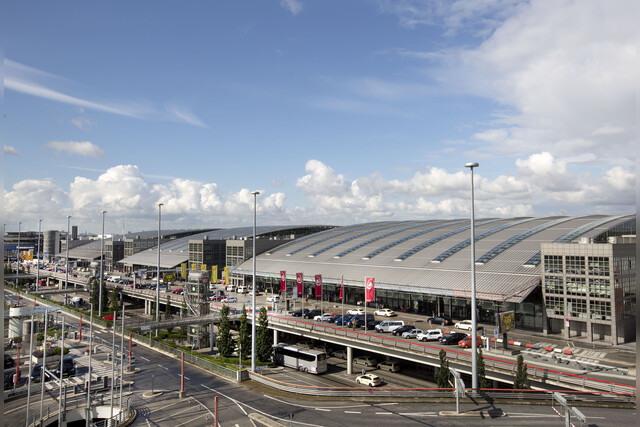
167, 309
521, 381
483, 382
442, 377
263, 338
224, 341
95, 294
114, 299
244, 334
105, 300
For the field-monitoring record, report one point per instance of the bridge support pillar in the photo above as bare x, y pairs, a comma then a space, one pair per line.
275, 337
349, 361
146, 307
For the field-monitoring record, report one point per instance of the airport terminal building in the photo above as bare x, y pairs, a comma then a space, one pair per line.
560, 275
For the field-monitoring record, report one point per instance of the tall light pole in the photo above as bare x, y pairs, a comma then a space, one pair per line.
101, 267
474, 317
253, 293
158, 275
18, 256
38, 257
66, 274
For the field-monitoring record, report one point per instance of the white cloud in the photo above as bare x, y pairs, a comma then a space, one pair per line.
10, 150
85, 148
294, 6
82, 122
24, 79
544, 186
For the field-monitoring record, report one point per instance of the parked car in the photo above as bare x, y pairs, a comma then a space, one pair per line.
108, 317
370, 380
340, 354
439, 320
68, 368
356, 311
389, 325
452, 338
365, 360
178, 291
273, 298
8, 361
353, 322
335, 319
312, 313
299, 312
36, 374
412, 333
228, 300
389, 365
465, 324
402, 329
466, 342
323, 317
344, 319
371, 324
385, 312
430, 335
217, 297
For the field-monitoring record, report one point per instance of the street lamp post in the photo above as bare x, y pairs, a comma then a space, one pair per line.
253, 294
474, 317
38, 257
158, 272
101, 267
18, 256
66, 275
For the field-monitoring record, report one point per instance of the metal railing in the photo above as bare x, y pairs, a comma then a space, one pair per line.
497, 365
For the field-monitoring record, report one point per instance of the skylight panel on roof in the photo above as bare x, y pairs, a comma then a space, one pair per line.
333, 245
327, 238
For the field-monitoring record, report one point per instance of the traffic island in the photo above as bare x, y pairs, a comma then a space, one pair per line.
491, 413
149, 394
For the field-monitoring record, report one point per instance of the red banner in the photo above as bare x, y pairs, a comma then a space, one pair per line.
318, 280
299, 283
341, 286
370, 289
283, 281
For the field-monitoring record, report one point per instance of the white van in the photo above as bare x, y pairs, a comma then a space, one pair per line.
230, 288
389, 325
243, 289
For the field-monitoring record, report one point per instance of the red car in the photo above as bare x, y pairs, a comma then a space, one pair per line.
178, 291
108, 317
217, 297
466, 342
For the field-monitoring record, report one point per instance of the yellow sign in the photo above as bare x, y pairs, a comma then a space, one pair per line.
169, 277
226, 275
183, 270
214, 274
507, 321
193, 267
203, 267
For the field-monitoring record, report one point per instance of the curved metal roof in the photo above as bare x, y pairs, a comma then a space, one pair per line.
503, 245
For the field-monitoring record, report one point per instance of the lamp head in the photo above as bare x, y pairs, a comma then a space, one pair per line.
471, 165
255, 193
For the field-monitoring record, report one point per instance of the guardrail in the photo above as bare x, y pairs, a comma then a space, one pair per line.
435, 393
502, 366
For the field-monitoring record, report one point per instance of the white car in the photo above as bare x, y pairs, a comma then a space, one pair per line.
430, 335
465, 324
370, 380
412, 333
384, 312
324, 317
273, 298
229, 300
356, 311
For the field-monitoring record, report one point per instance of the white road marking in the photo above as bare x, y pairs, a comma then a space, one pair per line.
163, 367
286, 420
352, 412
384, 413
330, 407
174, 414
417, 414
144, 358
323, 409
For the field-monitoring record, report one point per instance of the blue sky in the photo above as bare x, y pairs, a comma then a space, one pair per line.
337, 111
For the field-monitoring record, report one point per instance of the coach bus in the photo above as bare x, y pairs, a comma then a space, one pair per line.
300, 358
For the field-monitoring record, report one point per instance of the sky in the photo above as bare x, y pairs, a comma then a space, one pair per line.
337, 112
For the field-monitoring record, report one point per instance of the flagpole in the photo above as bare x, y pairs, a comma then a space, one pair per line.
342, 298
365, 305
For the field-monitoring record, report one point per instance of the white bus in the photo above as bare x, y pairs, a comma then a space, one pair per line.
300, 358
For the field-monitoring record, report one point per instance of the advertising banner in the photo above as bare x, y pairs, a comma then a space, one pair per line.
183, 270
299, 281
226, 275
283, 281
370, 291
341, 287
214, 274
203, 267
318, 280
